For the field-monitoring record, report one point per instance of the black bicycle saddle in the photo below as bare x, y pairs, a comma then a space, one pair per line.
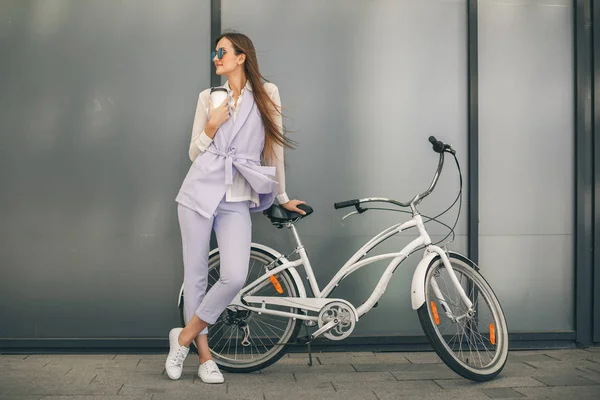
279, 215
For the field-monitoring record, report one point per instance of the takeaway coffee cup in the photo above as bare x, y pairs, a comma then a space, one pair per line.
217, 96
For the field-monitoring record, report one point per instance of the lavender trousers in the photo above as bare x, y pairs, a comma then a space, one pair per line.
233, 228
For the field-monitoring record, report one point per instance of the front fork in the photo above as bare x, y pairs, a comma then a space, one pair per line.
440, 297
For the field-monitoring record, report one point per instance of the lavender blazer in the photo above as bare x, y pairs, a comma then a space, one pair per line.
236, 147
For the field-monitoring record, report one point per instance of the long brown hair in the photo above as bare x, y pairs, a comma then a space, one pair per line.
268, 109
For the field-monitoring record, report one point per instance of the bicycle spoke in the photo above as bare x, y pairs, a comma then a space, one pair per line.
455, 336
271, 325
267, 332
454, 302
251, 354
227, 343
451, 300
471, 346
258, 337
237, 341
251, 339
251, 269
268, 327
466, 339
474, 341
257, 290
266, 336
214, 334
481, 338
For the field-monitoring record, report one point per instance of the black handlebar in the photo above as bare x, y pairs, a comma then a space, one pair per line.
347, 203
438, 146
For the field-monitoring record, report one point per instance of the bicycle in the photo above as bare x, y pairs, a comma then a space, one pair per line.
457, 308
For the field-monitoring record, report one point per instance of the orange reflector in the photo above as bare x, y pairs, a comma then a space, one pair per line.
436, 317
492, 334
275, 283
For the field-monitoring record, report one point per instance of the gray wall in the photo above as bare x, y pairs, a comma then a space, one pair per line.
97, 105
526, 138
97, 100
364, 83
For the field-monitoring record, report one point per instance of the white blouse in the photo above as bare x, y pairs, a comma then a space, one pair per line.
240, 189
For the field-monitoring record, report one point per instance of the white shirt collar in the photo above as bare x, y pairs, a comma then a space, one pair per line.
248, 86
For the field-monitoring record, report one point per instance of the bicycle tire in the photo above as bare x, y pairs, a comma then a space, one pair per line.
497, 335
292, 329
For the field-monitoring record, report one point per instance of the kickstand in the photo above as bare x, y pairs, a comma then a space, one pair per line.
310, 363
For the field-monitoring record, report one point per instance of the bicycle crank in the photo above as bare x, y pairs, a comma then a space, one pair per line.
336, 321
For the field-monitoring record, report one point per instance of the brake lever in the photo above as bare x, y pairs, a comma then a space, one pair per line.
349, 214
359, 210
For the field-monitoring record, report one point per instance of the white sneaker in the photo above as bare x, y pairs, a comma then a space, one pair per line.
177, 354
209, 372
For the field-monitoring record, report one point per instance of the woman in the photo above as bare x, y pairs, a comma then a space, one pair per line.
224, 184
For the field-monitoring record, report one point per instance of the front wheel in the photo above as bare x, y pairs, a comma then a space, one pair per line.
473, 343
245, 341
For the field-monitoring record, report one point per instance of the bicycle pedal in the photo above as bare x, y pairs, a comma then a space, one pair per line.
304, 339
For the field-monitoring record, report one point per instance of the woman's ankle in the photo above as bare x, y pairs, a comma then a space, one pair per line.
204, 359
182, 340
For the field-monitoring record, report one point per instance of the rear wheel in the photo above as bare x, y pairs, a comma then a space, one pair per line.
242, 340
473, 344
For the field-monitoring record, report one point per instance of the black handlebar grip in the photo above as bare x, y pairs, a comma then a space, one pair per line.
438, 146
347, 203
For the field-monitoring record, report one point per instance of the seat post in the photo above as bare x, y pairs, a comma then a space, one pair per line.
295, 233
305, 261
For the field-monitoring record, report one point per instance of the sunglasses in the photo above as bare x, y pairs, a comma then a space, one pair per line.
219, 53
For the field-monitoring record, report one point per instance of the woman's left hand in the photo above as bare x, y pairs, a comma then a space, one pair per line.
292, 205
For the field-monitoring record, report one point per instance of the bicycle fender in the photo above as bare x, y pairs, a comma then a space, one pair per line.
293, 272
417, 292
417, 287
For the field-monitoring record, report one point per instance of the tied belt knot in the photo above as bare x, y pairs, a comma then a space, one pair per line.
256, 175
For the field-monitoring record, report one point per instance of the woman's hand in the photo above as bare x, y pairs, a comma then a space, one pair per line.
218, 116
292, 205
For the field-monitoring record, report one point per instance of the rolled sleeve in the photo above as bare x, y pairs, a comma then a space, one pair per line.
282, 198
203, 141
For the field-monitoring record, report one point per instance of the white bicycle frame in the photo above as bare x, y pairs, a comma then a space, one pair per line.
245, 298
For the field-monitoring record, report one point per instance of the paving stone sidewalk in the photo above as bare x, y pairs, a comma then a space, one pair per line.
545, 374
